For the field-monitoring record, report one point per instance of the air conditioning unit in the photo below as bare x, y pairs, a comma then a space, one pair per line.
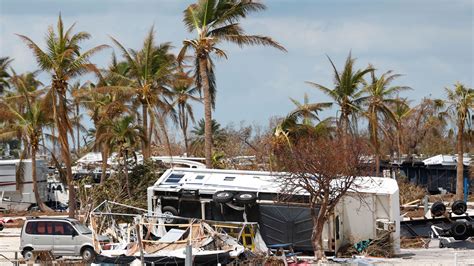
385, 225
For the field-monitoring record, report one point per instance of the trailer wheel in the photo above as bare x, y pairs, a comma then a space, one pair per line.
223, 196
459, 231
438, 209
169, 211
245, 198
459, 207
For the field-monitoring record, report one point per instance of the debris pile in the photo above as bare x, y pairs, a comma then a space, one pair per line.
136, 235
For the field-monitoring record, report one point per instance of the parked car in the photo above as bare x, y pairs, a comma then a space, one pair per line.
61, 236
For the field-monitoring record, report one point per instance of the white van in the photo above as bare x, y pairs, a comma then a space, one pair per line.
61, 236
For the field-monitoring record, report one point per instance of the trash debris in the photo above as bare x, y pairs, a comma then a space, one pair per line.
137, 234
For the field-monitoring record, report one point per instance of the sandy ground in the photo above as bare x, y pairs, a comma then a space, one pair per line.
10, 242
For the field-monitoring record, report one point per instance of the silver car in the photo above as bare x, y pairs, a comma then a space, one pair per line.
61, 236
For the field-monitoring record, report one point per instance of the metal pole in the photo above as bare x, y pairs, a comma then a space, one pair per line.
189, 255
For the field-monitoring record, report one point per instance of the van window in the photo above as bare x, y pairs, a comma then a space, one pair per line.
174, 178
200, 177
39, 228
63, 228
81, 228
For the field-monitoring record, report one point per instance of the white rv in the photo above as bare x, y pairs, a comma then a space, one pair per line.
19, 197
233, 195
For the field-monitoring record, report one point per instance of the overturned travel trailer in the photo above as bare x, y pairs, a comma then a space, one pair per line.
18, 194
253, 196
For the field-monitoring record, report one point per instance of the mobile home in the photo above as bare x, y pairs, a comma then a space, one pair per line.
19, 195
233, 195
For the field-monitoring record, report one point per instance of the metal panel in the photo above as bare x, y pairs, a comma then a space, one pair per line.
286, 224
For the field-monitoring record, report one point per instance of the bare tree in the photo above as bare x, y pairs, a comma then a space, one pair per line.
324, 168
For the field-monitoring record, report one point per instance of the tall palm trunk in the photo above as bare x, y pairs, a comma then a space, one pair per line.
375, 141
162, 123
207, 111
145, 145
38, 199
62, 122
78, 128
460, 165
399, 140
184, 127
53, 134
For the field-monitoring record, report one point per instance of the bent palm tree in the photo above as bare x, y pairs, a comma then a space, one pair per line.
378, 104
63, 60
347, 92
29, 124
461, 103
216, 21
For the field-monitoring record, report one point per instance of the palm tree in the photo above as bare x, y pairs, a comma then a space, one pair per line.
199, 135
123, 135
347, 93
103, 105
216, 21
29, 124
63, 60
23, 87
301, 121
77, 116
400, 110
460, 104
308, 111
4, 75
150, 71
183, 93
380, 96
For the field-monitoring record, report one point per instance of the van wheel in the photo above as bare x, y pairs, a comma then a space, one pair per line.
223, 196
169, 211
246, 198
88, 254
28, 254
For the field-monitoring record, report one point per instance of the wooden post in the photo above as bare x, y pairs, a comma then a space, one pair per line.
140, 244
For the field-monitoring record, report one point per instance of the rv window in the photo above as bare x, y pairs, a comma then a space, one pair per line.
229, 178
174, 178
199, 177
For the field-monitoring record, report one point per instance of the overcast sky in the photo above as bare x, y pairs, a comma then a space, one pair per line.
430, 42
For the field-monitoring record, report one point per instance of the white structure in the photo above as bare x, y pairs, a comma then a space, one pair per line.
354, 219
21, 197
442, 159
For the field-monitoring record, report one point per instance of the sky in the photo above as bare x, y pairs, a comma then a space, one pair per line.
430, 42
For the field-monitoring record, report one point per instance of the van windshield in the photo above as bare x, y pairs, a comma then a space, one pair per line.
81, 228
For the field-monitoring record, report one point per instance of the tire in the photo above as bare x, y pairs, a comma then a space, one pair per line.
223, 196
459, 207
459, 231
28, 254
245, 198
438, 209
88, 254
169, 211
1, 226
